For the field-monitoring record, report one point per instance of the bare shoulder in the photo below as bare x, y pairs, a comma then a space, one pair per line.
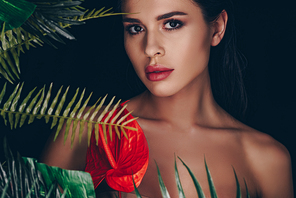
270, 162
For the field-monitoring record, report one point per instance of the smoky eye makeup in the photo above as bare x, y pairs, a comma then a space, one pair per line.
172, 24
133, 29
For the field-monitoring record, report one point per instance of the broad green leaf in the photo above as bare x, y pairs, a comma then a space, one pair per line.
79, 183
196, 184
179, 185
163, 189
210, 181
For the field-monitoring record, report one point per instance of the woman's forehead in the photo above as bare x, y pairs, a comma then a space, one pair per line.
132, 6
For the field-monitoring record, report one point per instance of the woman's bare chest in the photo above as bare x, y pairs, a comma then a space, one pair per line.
221, 155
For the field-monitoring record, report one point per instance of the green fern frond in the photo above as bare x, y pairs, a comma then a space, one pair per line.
40, 106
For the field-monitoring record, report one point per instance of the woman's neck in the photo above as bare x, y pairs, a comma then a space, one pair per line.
188, 106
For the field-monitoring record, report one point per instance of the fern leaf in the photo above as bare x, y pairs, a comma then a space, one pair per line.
72, 114
123, 131
10, 63
45, 104
66, 112
79, 115
28, 110
7, 104
14, 105
22, 107
123, 117
2, 92
54, 102
39, 102
38, 105
15, 58
5, 73
59, 108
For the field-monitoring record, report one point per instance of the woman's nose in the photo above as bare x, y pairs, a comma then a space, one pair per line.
153, 46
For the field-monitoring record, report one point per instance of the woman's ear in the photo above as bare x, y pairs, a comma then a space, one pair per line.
219, 26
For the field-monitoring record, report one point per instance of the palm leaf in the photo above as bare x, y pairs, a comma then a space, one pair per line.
238, 190
29, 109
179, 186
49, 19
196, 183
163, 189
136, 189
211, 183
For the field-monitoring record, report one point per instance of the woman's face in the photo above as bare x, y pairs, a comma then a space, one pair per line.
168, 43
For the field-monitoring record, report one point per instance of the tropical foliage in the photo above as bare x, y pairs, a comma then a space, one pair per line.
200, 193
24, 177
49, 20
40, 105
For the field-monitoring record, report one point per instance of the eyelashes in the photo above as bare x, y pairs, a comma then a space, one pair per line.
169, 25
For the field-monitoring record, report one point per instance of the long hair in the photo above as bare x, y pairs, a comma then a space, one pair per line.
226, 63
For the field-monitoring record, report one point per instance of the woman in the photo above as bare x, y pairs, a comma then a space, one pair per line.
169, 43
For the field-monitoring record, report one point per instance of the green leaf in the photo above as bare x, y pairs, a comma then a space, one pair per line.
136, 189
3, 92
179, 186
22, 107
45, 104
7, 104
210, 181
14, 105
28, 110
247, 191
196, 184
5, 188
79, 183
163, 189
238, 190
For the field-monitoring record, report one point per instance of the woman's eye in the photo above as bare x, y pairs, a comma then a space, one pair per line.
134, 29
173, 24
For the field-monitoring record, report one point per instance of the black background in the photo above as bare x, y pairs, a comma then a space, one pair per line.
97, 61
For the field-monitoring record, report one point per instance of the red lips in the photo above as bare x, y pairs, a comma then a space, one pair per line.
157, 72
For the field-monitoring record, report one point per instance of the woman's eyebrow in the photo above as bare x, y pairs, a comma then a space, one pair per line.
170, 14
131, 20
160, 17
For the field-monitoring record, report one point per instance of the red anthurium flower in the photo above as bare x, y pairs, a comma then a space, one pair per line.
117, 160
